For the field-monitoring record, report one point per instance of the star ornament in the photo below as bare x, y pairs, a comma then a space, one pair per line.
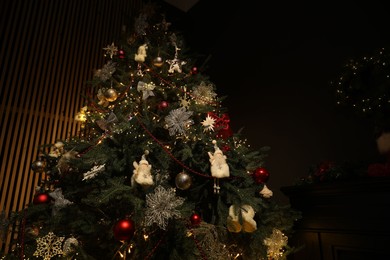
146, 89
111, 50
208, 124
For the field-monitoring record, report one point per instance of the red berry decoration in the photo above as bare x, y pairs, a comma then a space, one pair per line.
124, 229
194, 70
121, 54
41, 198
195, 219
260, 175
163, 105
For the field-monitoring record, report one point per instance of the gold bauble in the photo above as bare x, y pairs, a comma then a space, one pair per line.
111, 95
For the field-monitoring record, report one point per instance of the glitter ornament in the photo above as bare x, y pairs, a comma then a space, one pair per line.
111, 95
49, 246
195, 219
260, 175
183, 181
124, 229
38, 165
158, 61
41, 198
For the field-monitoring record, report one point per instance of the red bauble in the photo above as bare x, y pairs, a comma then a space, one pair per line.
195, 219
41, 198
163, 105
194, 70
260, 175
124, 229
121, 54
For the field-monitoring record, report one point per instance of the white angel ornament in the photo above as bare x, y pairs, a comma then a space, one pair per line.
248, 223
141, 53
142, 172
219, 167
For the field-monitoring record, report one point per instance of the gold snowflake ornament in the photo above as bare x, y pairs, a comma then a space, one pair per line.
49, 246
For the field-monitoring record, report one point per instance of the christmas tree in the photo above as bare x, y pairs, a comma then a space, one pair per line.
156, 171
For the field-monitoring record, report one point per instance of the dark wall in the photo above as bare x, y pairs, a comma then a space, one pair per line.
275, 62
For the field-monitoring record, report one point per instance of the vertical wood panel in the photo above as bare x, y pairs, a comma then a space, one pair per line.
48, 50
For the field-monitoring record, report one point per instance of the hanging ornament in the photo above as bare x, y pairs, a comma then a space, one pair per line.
124, 229
260, 175
146, 88
121, 54
265, 192
111, 95
41, 198
175, 64
194, 70
141, 53
70, 246
111, 50
158, 61
81, 116
39, 165
163, 104
49, 246
195, 219
246, 223
219, 168
142, 172
183, 181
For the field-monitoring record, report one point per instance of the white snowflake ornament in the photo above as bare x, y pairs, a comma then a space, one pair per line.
162, 206
142, 172
93, 172
178, 120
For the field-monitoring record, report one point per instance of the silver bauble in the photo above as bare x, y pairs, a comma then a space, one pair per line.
183, 181
38, 165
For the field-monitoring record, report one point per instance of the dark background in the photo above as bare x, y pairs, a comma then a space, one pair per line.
274, 61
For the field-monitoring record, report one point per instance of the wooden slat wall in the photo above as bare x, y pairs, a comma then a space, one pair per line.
48, 50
